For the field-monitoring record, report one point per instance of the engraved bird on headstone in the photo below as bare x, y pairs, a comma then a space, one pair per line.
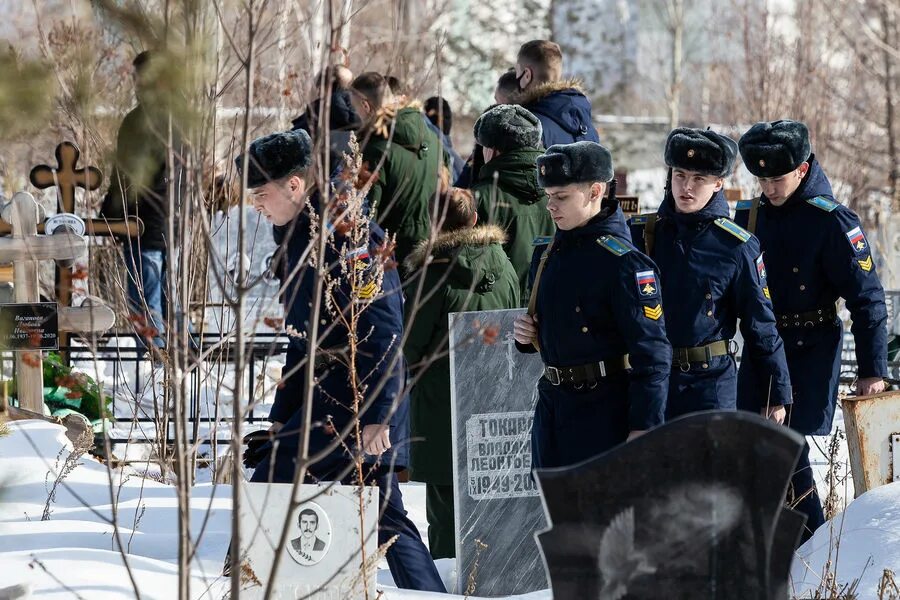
620, 563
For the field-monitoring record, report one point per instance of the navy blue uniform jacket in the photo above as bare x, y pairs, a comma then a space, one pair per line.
380, 330
713, 274
816, 252
589, 308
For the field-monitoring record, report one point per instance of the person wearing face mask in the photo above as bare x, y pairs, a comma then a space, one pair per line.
279, 176
713, 274
601, 337
816, 252
560, 104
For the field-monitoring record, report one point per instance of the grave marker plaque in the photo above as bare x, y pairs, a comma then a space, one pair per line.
321, 559
493, 391
29, 326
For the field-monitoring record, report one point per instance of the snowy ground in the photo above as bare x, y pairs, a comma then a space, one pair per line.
74, 553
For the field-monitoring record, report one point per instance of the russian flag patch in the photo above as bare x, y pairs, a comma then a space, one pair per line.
646, 283
857, 239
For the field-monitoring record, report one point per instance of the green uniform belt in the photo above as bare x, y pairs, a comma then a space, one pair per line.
813, 318
682, 357
588, 374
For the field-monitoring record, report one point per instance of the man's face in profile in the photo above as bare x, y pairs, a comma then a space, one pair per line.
308, 525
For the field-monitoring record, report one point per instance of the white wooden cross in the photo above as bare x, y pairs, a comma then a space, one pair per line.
25, 249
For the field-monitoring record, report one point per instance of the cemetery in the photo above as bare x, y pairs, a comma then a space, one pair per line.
271, 328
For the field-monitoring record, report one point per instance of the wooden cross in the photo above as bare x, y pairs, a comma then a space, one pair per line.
25, 249
66, 176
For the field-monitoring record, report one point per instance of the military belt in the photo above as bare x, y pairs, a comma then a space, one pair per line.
586, 375
821, 317
683, 357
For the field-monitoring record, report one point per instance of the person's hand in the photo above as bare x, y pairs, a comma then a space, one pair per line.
635, 434
256, 451
525, 329
276, 427
866, 386
774, 413
376, 439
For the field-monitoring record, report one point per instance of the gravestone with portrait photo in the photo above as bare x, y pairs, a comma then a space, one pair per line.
327, 541
497, 506
692, 509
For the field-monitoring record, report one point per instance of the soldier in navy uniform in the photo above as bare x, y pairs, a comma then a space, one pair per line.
601, 336
816, 252
280, 183
713, 274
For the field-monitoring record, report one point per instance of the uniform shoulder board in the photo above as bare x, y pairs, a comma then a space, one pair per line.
614, 245
823, 203
542, 240
744, 205
640, 219
733, 228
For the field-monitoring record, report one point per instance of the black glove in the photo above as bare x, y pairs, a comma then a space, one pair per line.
256, 443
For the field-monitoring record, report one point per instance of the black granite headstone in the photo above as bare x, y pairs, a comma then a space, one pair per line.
688, 510
493, 387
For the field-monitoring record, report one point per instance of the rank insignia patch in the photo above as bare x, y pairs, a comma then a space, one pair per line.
766, 293
761, 267
367, 291
646, 283
866, 265
653, 313
857, 239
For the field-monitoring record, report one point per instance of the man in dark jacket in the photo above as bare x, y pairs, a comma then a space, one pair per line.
139, 188
713, 274
562, 107
465, 269
404, 158
602, 340
278, 177
816, 252
506, 189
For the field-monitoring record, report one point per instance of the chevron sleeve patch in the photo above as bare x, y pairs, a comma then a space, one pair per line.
653, 313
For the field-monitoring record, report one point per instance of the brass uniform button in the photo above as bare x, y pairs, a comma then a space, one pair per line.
799, 342
709, 313
802, 287
795, 270
584, 329
709, 296
705, 365
577, 309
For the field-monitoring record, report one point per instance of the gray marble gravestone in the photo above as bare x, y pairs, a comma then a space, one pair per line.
493, 390
693, 509
322, 559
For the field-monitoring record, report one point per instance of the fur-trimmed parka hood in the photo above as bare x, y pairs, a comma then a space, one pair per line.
470, 258
563, 109
448, 241
539, 92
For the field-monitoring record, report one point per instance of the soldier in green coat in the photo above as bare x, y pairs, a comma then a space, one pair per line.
468, 271
404, 158
506, 187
